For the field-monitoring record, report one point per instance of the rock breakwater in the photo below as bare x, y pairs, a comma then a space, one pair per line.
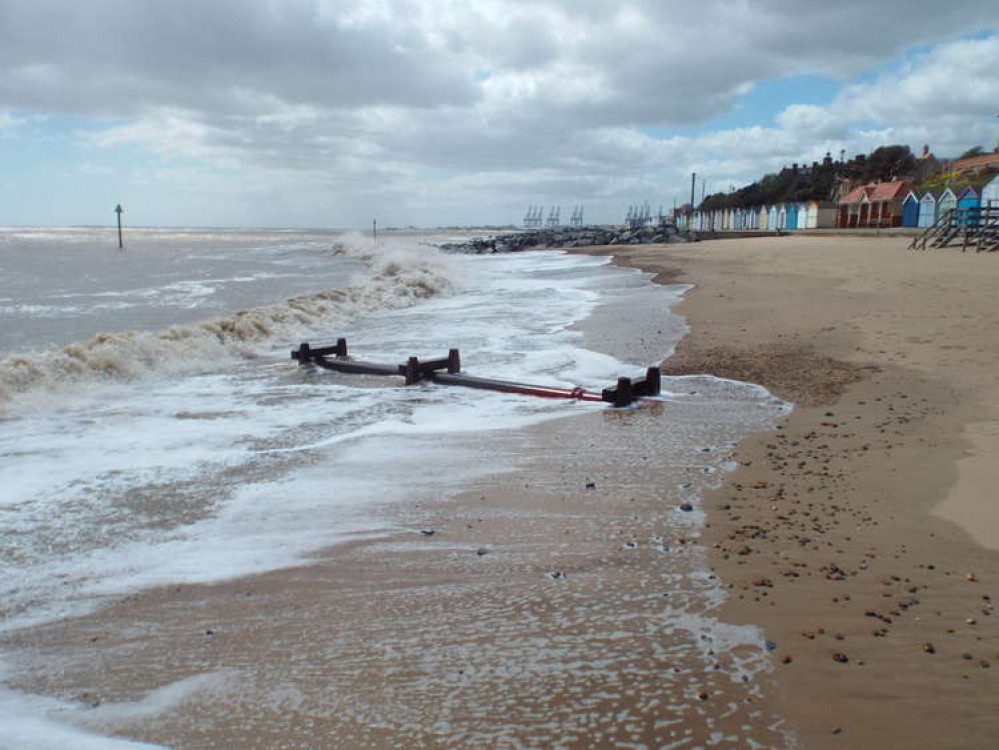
565, 237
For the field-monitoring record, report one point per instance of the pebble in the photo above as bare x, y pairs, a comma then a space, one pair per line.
482, 551
841, 657
686, 507
929, 648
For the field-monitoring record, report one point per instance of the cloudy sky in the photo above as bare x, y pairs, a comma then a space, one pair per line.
328, 113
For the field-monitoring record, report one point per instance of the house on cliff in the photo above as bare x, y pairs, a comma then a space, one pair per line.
973, 164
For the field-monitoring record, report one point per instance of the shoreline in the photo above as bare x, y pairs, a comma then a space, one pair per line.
831, 533
563, 603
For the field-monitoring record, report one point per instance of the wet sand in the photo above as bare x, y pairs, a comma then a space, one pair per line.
863, 533
564, 603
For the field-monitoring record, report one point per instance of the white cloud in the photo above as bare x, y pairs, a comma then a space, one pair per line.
457, 110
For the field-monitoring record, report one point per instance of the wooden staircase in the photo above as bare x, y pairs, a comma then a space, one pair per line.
976, 228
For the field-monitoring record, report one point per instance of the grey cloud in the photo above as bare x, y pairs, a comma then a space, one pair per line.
419, 99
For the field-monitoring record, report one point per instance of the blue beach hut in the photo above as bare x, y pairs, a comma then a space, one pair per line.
910, 210
969, 199
792, 216
927, 209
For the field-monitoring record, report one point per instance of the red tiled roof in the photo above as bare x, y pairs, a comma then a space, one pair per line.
856, 194
877, 191
886, 191
983, 160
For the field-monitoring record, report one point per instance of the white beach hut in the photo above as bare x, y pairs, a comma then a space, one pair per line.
782, 216
802, 216
820, 215
928, 209
990, 194
946, 201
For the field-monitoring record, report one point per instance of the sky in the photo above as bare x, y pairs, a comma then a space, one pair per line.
333, 113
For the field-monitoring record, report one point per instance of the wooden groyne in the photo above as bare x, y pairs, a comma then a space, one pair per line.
447, 371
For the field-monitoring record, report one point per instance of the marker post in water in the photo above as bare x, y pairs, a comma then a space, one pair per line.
119, 210
374, 231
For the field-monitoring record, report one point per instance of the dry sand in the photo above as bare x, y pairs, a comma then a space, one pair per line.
862, 534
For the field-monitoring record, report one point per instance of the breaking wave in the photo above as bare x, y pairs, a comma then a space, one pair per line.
399, 276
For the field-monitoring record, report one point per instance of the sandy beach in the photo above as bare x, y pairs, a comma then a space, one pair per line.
863, 533
838, 594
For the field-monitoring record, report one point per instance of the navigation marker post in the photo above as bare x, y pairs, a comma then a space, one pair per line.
119, 210
374, 231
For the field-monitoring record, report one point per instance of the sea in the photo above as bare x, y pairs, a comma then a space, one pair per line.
150, 411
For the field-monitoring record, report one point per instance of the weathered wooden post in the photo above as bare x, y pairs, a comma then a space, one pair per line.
453, 361
304, 356
654, 378
374, 231
341, 348
119, 210
623, 395
412, 372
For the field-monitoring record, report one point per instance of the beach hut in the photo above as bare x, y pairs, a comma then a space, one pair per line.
773, 217
968, 202
726, 218
927, 209
802, 216
910, 210
764, 217
792, 216
818, 215
782, 216
754, 217
946, 201
990, 194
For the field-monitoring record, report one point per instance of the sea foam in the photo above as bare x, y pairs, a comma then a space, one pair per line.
399, 275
